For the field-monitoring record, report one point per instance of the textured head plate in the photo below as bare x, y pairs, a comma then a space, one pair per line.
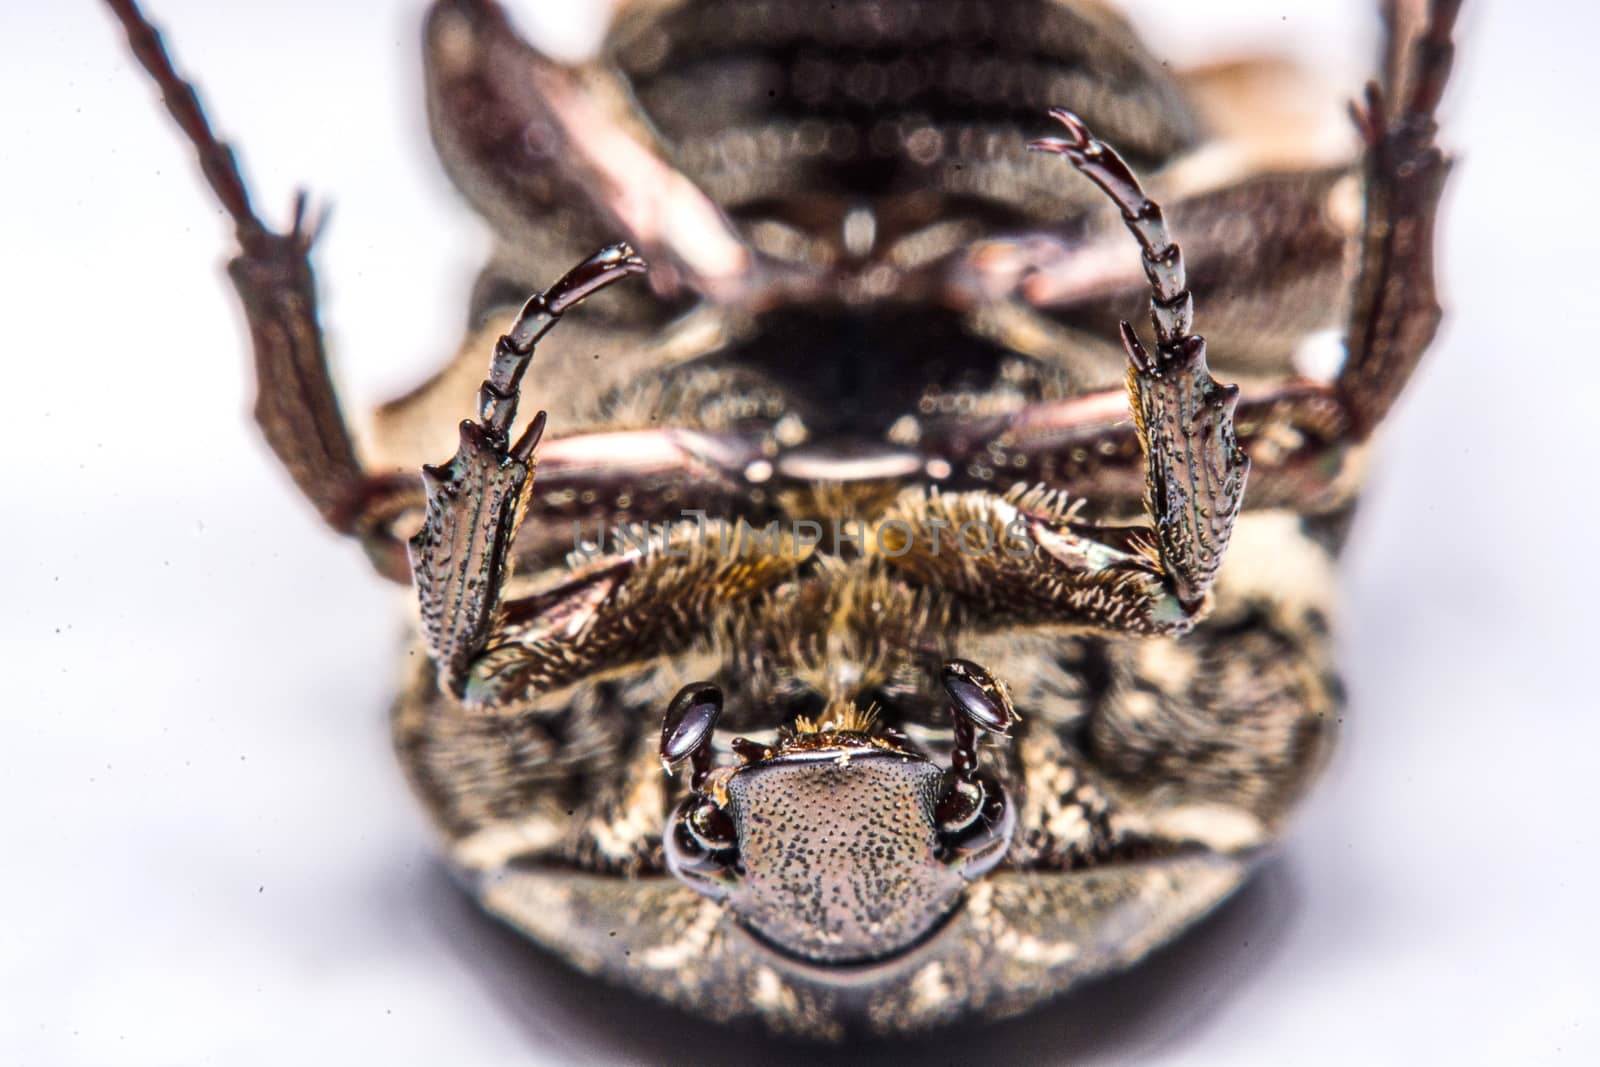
840, 853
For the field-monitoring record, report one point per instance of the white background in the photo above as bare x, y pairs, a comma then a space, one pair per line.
209, 854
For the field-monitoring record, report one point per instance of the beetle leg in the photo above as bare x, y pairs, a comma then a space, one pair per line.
296, 405
619, 611
1396, 310
1023, 557
1171, 303
498, 656
460, 557
1300, 434
1294, 433
1195, 469
1266, 254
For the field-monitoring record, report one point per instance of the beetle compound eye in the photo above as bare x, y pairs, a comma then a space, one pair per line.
976, 822
686, 732
960, 802
711, 827
699, 847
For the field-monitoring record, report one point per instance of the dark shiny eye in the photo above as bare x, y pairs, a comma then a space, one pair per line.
976, 821
711, 827
699, 847
960, 802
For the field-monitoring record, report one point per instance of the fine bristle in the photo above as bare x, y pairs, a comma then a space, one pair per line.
843, 719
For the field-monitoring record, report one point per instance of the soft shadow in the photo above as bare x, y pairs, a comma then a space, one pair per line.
1156, 1005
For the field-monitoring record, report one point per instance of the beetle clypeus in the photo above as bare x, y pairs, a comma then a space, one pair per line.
1005, 732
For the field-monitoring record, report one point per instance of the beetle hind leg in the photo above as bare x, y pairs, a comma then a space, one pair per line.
1396, 311
296, 405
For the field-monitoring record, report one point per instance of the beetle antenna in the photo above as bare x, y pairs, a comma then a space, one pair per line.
686, 731
217, 160
978, 702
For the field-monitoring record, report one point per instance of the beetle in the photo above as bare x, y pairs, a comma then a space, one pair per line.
994, 638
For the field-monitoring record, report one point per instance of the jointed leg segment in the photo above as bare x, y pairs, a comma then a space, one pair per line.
1171, 304
500, 656
1074, 573
1302, 428
460, 558
497, 656
1396, 311
1196, 470
296, 405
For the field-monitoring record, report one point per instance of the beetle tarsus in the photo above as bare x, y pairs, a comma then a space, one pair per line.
1195, 471
217, 160
1171, 305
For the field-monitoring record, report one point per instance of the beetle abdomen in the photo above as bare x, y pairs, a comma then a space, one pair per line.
760, 101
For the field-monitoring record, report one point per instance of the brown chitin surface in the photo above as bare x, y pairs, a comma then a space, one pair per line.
868, 302
831, 850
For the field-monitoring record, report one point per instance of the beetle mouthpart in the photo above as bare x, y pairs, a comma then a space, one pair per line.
838, 845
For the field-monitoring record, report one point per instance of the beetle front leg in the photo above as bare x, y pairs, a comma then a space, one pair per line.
1070, 572
499, 656
1196, 470
460, 557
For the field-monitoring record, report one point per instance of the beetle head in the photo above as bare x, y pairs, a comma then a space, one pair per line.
840, 843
